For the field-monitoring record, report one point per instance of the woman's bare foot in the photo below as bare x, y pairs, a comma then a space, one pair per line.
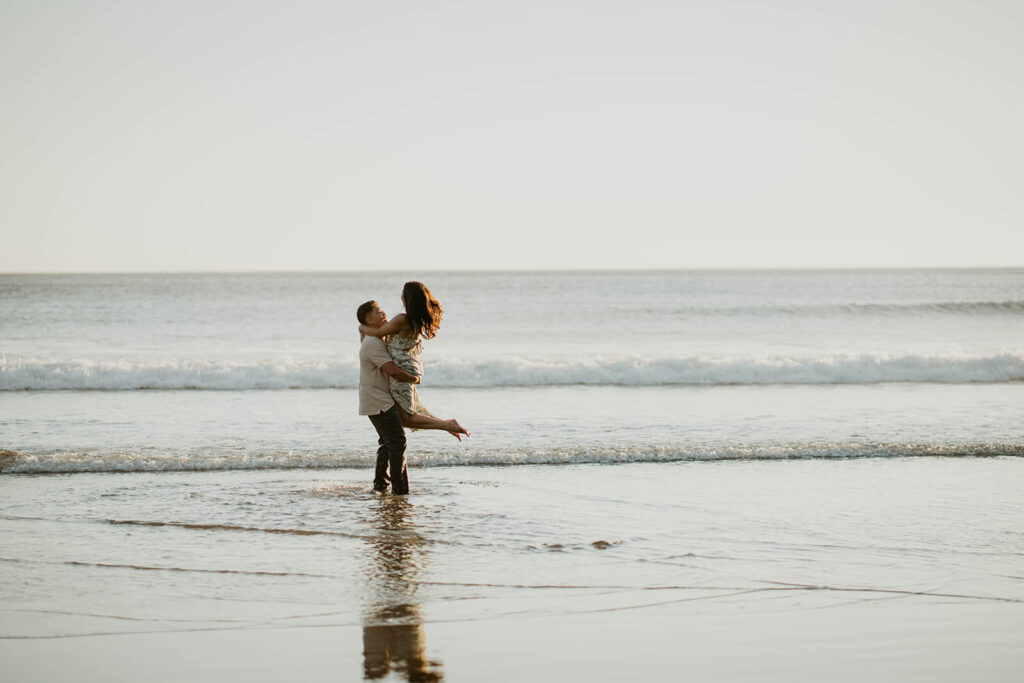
455, 429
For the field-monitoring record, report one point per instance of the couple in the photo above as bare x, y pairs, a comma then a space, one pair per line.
389, 370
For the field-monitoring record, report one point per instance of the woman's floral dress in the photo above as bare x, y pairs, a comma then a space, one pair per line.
407, 355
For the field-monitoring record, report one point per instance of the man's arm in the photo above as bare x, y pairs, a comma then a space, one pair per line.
379, 356
398, 373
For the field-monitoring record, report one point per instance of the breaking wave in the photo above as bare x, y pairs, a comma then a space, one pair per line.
525, 371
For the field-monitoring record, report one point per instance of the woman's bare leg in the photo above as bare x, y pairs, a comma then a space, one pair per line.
426, 422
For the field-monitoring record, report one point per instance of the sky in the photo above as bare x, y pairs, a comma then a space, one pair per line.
205, 135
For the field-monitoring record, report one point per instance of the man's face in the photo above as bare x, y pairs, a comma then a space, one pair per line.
376, 317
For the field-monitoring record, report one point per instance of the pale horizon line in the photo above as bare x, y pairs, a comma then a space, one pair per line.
321, 271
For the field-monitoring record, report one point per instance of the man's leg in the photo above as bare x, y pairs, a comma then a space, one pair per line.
399, 471
392, 448
380, 473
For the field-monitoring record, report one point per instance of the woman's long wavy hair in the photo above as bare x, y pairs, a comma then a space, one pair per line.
422, 311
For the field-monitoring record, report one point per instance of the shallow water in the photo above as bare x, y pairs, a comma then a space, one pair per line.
152, 431
658, 550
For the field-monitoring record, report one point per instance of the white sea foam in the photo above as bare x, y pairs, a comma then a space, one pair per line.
31, 374
39, 374
214, 460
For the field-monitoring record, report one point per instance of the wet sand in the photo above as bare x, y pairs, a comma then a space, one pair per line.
893, 569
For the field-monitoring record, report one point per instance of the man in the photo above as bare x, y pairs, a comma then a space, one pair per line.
375, 366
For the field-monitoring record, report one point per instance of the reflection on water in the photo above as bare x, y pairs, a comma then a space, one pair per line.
399, 646
393, 635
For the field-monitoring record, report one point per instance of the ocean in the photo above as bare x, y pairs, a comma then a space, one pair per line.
210, 371
747, 475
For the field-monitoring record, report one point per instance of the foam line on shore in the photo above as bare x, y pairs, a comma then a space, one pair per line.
211, 460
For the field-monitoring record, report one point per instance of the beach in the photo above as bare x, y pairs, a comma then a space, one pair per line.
727, 475
899, 569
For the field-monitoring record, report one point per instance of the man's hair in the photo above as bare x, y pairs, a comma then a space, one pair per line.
364, 310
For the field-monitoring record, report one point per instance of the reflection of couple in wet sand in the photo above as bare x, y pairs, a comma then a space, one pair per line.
393, 635
390, 367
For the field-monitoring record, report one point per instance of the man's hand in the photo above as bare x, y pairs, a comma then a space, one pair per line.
398, 373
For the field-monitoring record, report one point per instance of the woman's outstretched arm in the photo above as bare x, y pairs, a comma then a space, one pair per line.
387, 329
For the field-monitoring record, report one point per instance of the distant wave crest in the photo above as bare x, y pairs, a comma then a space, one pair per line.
997, 308
1012, 307
125, 375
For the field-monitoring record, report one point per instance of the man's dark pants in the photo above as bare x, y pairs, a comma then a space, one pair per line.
391, 452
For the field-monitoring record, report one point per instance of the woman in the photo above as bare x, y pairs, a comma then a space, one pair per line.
405, 335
